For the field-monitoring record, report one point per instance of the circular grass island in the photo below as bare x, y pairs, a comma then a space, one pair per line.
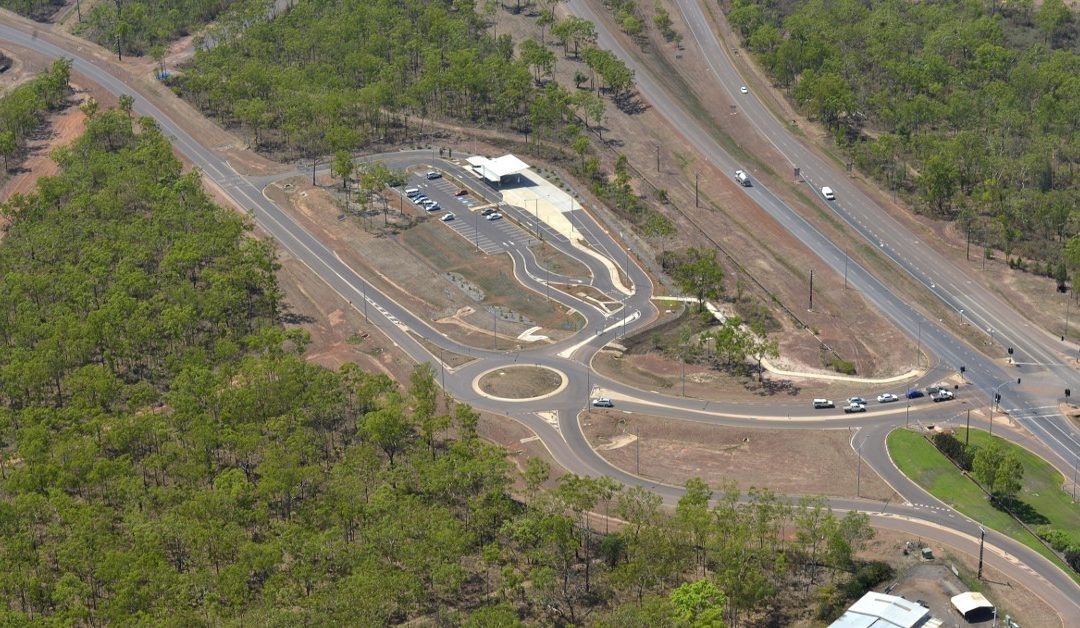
521, 382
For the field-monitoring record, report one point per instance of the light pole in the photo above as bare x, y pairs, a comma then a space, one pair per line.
858, 474
907, 415
961, 316
982, 540
495, 328
476, 229
918, 347
1068, 301
696, 176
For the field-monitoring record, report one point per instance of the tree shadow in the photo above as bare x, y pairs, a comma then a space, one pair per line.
1021, 510
290, 317
630, 103
770, 387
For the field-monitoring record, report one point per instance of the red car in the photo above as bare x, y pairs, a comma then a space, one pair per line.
461, 192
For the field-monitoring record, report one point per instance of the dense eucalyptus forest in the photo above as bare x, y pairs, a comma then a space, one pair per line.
34, 9
970, 109
167, 456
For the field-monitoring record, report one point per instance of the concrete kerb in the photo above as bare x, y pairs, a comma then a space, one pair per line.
718, 315
563, 383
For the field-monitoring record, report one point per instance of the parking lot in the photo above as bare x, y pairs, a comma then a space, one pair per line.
489, 236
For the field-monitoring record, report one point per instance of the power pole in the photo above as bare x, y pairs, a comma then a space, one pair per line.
967, 434
696, 176
811, 289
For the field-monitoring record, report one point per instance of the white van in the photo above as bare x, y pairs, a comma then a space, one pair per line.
742, 178
411, 192
828, 193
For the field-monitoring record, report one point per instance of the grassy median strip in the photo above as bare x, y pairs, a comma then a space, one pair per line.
1042, 494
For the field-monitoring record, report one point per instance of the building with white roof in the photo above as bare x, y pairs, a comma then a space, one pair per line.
880, 610
495, 169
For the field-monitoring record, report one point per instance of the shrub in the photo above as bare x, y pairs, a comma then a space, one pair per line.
841, 365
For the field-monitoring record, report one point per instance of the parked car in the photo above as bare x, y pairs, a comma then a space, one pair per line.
858, 400
461, 192
823, 403
494, 216
828, 193
914, 393
433, 207
488, 211
448, 216
433, 174
854, 407
603, 402
887, 398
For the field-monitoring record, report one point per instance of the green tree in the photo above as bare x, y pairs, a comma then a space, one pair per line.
699, 604
343, 167
698, 273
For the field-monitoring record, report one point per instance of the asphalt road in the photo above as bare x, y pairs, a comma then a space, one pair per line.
563, 438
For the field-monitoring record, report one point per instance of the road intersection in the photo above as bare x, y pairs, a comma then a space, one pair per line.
572, 357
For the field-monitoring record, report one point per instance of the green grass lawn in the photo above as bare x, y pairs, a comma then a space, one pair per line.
921, 462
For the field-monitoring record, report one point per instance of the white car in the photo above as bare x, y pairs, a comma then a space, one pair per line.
494, 216
887, 398
858, 400
828, 193
743, 90
603, 402
447, 217
854, 407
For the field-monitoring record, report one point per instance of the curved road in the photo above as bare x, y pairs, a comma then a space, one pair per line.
565, 439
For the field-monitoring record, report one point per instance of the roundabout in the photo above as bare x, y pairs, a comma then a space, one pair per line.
520, 383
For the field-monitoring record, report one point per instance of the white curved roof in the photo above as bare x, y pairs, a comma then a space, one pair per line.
972, 600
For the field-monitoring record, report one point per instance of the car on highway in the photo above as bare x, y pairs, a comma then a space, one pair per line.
942, 395
744, 90
828, 193
887, 398
433, 174
742, 178
914, 393
820, 404
854, 407
461, 192
494, 216
603, 402
448, 216
858, 400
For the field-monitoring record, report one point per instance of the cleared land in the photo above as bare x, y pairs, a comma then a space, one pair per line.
794, 462
494, 275
921, 462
